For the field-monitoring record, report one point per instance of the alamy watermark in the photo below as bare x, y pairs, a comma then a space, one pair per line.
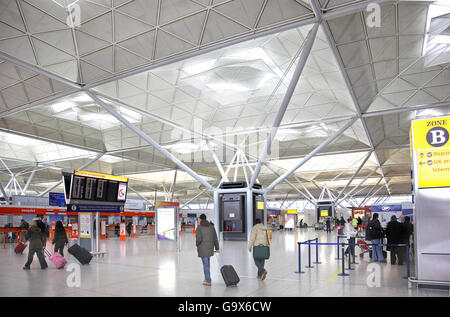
374, 278
74, 277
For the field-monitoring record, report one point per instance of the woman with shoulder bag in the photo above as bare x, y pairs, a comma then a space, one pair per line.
259, 242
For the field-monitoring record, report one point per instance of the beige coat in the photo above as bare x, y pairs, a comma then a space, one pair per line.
258, 236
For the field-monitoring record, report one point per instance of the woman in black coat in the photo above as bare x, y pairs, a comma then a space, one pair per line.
60, 238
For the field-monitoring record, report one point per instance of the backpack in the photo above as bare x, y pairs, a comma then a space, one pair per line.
372, 232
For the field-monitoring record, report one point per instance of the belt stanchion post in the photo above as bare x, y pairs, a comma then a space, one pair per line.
343, 262
317, 251
354, 251
299, 257
337, 246
309, 255
350, 258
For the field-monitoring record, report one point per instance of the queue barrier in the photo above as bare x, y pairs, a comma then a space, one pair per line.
342, 244
18, 232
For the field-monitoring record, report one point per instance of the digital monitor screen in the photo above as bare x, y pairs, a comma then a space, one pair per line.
324, 213
231, 215
111, 194
90, 189
102, 186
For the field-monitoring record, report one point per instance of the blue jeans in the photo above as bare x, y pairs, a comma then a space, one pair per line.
260, 265
377, 251
206, 269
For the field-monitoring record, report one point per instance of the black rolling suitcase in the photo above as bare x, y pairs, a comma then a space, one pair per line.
81, 254
229, 275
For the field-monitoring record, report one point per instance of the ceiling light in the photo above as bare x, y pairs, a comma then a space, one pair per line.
61, 106
228, 86
81, 98
199, 67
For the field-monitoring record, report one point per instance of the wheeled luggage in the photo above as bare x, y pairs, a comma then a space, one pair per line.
58, 260
82, 255
229, 275
20, 248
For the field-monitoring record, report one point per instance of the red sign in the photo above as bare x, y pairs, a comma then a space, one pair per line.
74, 234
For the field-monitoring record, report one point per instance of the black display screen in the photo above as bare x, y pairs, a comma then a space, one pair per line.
111, 195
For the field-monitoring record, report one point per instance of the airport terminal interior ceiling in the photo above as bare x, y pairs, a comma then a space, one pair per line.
211, 74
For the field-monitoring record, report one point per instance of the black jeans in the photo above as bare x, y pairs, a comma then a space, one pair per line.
59, 248
40, 256
351, 247
398, 253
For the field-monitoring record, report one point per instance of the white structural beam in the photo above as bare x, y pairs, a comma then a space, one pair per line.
60, 182
354, 175
38, 70
310, 155
24, 192
320, 16
406, 109
149, 140
286, 99
2, 189
216, 160
193, 198
357, 186
139, 195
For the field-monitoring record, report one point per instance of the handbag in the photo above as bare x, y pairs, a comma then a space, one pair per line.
262, 252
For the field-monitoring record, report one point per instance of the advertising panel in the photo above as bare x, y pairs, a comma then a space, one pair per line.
289, 221
85, 225
166, 223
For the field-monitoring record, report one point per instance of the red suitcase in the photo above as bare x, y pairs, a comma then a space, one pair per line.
20, 248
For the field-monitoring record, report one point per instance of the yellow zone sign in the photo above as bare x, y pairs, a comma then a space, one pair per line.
430, 133
434, 168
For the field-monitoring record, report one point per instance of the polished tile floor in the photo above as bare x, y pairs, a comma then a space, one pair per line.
141, 267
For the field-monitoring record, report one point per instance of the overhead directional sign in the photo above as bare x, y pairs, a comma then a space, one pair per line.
431, 143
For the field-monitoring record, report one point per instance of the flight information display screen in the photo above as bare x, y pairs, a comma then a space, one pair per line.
88, 187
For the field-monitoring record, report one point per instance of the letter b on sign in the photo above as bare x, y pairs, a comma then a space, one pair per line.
437, 136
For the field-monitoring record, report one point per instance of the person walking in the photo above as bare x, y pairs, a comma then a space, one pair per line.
374, 233
355, 223
259, 239
360, 222
37, 243
350, 233
328, 223
206, 241
395, 235
60, 238
24, 226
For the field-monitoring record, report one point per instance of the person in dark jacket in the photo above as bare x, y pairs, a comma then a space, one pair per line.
129, 226
206, 241
395, 235
60, 238
328, 223
37, 243
374, 233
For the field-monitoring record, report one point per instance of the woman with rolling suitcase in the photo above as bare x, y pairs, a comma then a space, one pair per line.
37, 243
259, 242
60, 238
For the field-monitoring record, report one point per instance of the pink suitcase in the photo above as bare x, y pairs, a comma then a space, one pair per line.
58, 260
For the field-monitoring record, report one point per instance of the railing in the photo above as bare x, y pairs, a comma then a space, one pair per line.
342, 244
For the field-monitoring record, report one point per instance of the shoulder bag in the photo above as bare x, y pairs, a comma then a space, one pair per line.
262, 252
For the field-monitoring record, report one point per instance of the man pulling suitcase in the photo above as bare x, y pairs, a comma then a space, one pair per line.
206, 241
